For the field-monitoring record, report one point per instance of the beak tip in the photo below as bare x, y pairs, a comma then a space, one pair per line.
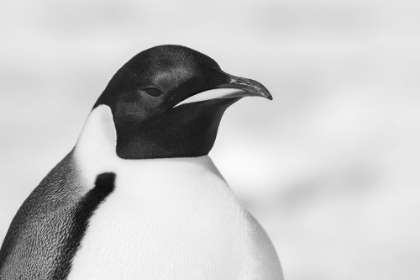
266, 94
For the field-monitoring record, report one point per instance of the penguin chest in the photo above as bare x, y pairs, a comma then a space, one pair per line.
168, 219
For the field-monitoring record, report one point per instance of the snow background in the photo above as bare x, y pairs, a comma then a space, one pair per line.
330, 167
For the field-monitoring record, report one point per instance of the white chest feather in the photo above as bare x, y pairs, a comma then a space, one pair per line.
166, 218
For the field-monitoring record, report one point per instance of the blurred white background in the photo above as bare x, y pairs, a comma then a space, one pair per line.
330, 167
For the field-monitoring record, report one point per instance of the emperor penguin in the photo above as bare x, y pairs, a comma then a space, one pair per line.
138, 197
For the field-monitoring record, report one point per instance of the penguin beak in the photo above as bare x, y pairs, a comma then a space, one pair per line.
237, 87
246, 87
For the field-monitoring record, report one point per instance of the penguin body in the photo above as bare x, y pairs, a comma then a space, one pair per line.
39, 233
138, 197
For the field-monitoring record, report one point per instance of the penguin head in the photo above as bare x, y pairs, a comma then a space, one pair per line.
168, 101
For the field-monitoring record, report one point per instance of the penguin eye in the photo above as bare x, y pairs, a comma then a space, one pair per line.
152, 91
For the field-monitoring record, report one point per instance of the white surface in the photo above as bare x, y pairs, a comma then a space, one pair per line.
166, 218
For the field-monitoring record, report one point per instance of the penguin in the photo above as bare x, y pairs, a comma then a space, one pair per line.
138, 197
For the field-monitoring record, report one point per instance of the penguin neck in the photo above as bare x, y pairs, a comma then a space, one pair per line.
95, 153
189, 130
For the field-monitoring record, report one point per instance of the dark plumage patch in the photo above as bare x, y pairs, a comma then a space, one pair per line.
48, 228
104, 185
189, 130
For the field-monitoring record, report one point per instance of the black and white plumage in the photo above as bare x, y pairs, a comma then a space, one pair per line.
138, 197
